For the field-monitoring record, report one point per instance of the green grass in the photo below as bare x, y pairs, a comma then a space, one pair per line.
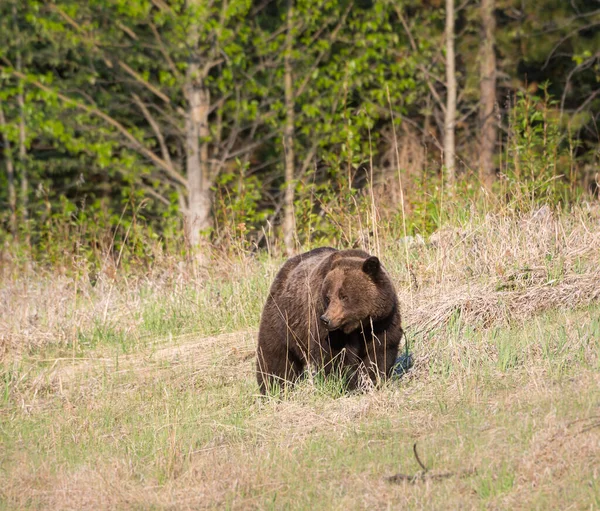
140, 392
159, 430
221, 305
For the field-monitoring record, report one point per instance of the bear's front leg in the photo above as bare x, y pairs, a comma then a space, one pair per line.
380, 356
276, 366
346, 363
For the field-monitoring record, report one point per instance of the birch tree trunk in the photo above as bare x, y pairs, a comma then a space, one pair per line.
197, 134
197, 166
487, 101
288, 138
450, 114
10, 175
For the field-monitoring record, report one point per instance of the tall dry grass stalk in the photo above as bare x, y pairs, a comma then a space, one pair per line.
489, 268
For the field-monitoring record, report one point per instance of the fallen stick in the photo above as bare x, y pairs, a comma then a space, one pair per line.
425, 474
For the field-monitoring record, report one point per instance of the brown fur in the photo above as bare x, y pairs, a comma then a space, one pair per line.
326, 310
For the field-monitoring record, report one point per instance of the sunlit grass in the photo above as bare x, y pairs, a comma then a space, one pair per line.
140, 392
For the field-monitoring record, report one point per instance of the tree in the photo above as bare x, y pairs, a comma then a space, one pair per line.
450, 113
10, 172
288, 136
14, 131
165, 82
487, 99
103, 102
197, 133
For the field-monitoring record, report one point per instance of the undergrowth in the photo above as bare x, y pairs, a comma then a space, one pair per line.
491, 268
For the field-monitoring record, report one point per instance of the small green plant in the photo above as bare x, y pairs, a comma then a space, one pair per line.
333, 385
240, 213
537, 155
495, 482
509, 352
101, 334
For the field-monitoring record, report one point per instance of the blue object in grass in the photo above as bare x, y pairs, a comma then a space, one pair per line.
403, 363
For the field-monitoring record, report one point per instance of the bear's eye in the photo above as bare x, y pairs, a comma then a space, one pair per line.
343, 298
326, 300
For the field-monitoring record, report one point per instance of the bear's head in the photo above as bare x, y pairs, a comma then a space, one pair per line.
355, 290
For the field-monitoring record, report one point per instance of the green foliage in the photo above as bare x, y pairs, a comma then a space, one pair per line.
238, 215
104, 87
537, 153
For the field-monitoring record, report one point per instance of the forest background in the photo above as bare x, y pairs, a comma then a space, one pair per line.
160, 158
246, 125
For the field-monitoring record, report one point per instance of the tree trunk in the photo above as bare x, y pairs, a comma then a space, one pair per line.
23, 151
10, 175
450, 116
197, 134
487, 101
23, 158
288, 138
197, 167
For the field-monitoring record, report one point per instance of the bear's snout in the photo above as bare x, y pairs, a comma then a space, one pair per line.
330, 323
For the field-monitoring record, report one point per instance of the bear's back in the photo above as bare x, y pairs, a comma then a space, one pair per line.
296, 271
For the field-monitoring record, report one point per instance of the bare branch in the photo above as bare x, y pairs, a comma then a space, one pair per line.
462, 6
568, 36
553, 29
250, 147
163, 50
141, 80
156, 128
209, 65
121, 64
161, 5
425, 72
417, 457
413, 123
139, 146
150, 191
584, 65
425, 474
127, 30
588, 100
67, 18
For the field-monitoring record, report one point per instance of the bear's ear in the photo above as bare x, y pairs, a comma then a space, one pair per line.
371, 266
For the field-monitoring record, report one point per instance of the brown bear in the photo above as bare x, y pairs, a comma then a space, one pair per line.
329, 310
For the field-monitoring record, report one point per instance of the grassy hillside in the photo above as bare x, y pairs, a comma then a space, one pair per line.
130, 391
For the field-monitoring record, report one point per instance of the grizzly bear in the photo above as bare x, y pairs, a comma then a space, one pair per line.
329, 310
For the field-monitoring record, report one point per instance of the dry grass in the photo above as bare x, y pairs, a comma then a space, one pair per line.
502, 269
183, 428
140, 393
482, 306
66, 315
490, 269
